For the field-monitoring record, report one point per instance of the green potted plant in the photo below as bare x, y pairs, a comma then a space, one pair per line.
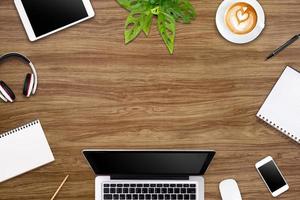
168, 12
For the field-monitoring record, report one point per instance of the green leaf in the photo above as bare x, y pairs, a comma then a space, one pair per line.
154, 2
147, 23
166, 27
155, 10
134, 25
181, 10
188, 11
167, 11
132, 4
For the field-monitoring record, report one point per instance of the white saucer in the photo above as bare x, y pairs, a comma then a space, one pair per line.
235, 38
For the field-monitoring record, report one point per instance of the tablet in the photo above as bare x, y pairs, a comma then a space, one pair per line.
41, 18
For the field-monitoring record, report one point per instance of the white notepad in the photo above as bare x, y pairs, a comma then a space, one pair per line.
281, 109
23, 149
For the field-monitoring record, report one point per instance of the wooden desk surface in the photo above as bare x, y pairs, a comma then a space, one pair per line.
96, 92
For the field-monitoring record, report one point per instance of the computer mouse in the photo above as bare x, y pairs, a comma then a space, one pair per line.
229, 190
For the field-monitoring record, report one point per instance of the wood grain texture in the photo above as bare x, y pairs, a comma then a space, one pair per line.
96, 92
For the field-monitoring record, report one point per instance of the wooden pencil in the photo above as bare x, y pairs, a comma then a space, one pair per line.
58, 189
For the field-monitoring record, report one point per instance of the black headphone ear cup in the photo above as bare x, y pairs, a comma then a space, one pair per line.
1, 94
7, 92
28, 85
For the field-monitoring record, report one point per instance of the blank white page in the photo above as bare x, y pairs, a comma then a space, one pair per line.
281, 109
23, 149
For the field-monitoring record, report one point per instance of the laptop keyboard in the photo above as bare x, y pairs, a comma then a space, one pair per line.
166, 191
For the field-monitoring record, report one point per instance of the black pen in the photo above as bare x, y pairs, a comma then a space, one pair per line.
285, 45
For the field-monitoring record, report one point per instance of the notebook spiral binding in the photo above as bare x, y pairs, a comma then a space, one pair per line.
281, 129
16, 130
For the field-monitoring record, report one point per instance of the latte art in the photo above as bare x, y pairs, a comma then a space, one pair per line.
241, 18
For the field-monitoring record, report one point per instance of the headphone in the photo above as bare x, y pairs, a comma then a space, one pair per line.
30, 83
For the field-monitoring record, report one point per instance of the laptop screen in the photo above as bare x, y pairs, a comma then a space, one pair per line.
149, 162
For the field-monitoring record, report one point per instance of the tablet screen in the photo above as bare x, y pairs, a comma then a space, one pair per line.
48, 15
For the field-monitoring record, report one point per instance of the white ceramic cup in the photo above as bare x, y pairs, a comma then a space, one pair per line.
239, 38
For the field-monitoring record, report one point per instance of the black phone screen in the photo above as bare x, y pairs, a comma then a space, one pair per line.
272, 176
46, 16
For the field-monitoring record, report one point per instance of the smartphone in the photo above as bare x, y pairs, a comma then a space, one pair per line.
43, 18
271, 175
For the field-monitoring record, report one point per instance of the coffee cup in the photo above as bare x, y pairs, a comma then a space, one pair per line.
240, 21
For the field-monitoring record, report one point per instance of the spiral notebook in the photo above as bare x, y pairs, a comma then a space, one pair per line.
23, 149
281, 108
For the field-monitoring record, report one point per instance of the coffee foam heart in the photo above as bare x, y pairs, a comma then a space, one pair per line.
241, 18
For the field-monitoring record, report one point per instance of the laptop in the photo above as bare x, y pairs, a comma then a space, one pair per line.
149, 174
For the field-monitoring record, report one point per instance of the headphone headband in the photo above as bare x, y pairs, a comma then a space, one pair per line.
24, 58
14, 54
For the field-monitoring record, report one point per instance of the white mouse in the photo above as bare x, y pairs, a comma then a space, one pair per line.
229, 190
